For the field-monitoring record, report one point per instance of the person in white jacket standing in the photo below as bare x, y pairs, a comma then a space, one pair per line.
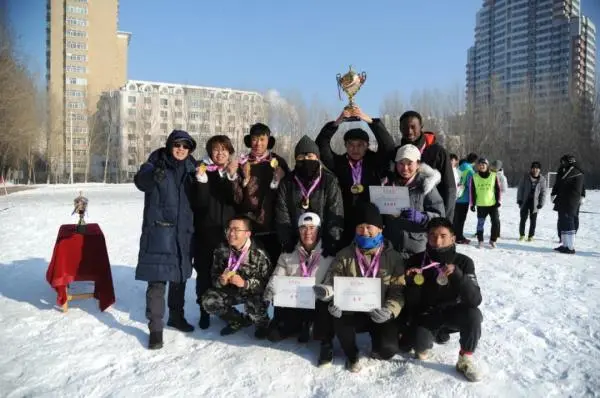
496, 167
305, 261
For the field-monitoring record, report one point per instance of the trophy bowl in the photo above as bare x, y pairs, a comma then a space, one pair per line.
350, 83
80, 204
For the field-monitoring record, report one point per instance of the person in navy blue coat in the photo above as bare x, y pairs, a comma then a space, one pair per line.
167, 179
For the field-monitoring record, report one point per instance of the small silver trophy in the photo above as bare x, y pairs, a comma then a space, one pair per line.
80, 207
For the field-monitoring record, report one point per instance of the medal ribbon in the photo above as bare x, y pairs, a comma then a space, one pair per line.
435, 265
356, 172
306, 193
234, 262
255, 159
308, 265
368, 269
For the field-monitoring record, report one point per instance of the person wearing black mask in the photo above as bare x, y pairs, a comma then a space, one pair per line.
442, 295
531, 197
310, 187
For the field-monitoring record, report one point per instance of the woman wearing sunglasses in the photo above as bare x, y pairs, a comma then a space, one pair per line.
165, 254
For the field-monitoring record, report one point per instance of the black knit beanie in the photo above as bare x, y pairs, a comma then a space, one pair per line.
306, 145
369, 214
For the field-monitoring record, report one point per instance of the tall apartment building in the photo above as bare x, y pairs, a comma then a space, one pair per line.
546, 46
142, 114
85, 56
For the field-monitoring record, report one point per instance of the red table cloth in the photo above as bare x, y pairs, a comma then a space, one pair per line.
81, 257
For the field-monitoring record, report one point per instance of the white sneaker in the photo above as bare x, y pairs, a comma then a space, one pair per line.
466, 366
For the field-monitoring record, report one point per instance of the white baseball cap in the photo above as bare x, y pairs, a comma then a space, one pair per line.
308, 219
409, 152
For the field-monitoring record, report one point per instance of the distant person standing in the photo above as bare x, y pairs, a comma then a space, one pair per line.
485, 195
566, 195
496, 167
454, 163
463, 197
531, 196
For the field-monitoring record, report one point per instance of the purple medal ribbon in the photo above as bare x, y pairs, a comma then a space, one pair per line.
306, 193
212, 167
308, 264
234, 261
368, 269
356, 172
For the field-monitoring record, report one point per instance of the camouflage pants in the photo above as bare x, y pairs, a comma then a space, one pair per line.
218, 302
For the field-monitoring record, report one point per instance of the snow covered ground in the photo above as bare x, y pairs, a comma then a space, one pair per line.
541, 332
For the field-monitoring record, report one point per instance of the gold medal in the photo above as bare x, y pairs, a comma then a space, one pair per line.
418, 279
441, 279
357, 188
230, 274
305, 203
202, 168
274, 163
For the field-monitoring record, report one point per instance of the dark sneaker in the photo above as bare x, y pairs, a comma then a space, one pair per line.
353, 365
560, 248
566, 250
180, 324
261, 332
304, 335
156, 341
204, 322
326, 354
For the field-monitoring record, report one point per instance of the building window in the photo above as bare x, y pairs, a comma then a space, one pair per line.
164, 114
75, 33
76, 57
147, 125
178, 115
178, 102
147, 112
131, 162
147, 137
76, 45
193, 127
131, 99
147, 100
178, 126
131, 137
163, 126
131, 126
77, 10
75, 93
131, 112
164, 102
75, 105
75, 69
194, 116
77, 22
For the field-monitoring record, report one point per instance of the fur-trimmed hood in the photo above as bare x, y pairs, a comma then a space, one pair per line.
426, 176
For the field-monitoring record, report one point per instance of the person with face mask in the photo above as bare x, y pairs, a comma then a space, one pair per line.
166, 243
306, 260
531, 196
359, 167
260, 172
442, 294
408, 230
486, 196
309, 188
369, 256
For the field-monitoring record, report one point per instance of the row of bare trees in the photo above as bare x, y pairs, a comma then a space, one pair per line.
20, 145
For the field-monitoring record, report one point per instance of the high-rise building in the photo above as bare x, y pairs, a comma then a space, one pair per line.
141, 115
545, 46
85, 56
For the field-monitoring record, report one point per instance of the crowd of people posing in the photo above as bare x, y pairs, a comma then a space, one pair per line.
242, 220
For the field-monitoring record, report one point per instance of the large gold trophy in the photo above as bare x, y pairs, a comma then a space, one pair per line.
350, 83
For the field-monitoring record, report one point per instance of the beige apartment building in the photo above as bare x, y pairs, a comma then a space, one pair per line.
85, 56
141, 115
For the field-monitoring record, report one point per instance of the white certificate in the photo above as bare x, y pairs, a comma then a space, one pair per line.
294, 292
356, 294
390, 200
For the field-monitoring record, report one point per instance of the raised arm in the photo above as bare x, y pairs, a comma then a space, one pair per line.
323, 141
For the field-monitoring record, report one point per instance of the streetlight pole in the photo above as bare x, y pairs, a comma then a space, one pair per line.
71, 128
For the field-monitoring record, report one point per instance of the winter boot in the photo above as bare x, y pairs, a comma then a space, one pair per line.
261, 332
353, 365
204, 322
236, 322
326, 354
156, 340
466, 366
522, 238
530, 239
304, 335
178, 322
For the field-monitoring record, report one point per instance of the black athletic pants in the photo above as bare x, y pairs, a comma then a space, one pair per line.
460, 216
155, 303
384, 336
528, 210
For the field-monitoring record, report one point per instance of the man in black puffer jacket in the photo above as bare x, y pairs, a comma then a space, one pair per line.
310, 187
566, 195
166, 244
442, 296
433, 154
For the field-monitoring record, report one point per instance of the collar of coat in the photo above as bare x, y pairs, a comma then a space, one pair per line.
426, 176
300, 248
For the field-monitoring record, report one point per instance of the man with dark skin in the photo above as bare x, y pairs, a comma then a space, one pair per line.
432, 153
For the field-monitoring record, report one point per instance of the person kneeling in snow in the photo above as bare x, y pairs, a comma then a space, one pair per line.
442, 295
240, 272
306, 260
369, 256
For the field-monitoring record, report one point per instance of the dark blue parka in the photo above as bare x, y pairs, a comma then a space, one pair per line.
168, 226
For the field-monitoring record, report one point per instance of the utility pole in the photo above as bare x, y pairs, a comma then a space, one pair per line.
71, 128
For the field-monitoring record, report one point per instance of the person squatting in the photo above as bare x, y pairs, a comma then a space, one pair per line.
244, 220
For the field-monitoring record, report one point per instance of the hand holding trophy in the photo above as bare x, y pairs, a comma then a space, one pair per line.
350, 83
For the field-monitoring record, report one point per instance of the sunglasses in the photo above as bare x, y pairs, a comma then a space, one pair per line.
180, 145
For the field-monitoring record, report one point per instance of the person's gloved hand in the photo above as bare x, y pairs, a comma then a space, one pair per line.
473, 208
320, 291
334, 310
146, 167
415, 216
498, 204
520, 203
381, 315
159, 174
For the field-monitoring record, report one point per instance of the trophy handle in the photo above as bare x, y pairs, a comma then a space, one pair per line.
363, 77
338, 78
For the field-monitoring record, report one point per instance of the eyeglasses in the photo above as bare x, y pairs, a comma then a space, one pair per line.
179, 145
235, 230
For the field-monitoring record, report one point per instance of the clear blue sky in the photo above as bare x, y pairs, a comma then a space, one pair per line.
287, 45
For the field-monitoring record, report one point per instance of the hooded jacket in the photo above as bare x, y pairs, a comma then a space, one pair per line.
166, 243
539, 195
466, 173
407, 237
568, 189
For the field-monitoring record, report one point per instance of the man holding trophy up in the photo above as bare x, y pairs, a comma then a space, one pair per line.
359, 167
